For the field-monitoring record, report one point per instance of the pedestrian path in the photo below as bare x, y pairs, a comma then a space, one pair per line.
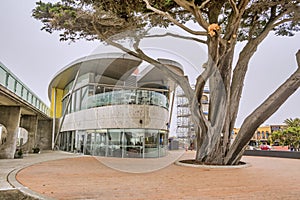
10, 166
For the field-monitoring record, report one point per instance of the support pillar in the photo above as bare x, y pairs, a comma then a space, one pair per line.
44, 134
10, 118
29, 122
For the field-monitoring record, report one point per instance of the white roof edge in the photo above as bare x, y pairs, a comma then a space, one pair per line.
96, 56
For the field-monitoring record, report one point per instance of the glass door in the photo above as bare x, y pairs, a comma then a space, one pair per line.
134, 143
163, 143
151, 143
114, 137
100, 144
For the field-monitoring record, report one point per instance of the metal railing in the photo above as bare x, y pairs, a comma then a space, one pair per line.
122, 97
12, 83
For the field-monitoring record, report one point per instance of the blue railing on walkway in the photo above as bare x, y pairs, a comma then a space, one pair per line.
12, 83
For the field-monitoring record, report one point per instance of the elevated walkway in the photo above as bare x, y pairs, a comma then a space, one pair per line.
21, 108
15, 93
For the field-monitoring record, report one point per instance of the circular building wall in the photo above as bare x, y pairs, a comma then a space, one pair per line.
108, 108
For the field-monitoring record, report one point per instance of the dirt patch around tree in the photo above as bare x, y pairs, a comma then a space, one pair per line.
197, 164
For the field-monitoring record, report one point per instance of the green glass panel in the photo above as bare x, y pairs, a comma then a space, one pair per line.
3, 75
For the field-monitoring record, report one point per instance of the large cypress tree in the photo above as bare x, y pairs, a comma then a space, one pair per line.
223, 23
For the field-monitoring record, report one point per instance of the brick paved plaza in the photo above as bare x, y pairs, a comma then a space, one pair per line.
86, 177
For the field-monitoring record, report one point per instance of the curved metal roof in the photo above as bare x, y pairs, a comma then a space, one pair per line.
112, 65
116, 66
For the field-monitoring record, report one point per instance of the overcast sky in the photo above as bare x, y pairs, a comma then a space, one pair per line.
35, 57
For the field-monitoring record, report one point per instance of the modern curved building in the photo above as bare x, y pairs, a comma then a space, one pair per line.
113, 105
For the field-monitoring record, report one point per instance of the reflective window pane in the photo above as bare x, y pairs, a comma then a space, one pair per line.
100, 144
114, 142
3, 75
151, 143
11, 83
133, 143
19, 89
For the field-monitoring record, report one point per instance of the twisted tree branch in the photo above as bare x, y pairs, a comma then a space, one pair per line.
171, 19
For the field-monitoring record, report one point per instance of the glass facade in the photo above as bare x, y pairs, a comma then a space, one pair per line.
124, 96
88, 94
140, 142
122, 143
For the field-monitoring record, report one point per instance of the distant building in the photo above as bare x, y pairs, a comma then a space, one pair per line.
109, 105
262, 133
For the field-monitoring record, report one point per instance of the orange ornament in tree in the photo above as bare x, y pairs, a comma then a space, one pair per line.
212, 29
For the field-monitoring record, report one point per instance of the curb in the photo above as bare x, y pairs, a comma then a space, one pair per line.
213, 166
15, 184
11, 178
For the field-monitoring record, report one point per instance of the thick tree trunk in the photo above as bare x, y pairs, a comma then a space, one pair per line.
209, 151
262, 113
210, 141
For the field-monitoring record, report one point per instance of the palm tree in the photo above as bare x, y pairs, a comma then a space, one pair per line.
290, 135
292, 122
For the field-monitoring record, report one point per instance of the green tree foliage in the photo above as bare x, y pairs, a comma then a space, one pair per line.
292, 122
76, 17
221, 24
289, 136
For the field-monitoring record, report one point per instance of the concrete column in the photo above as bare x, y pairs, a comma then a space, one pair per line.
29, 122
10, 118
44, 134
